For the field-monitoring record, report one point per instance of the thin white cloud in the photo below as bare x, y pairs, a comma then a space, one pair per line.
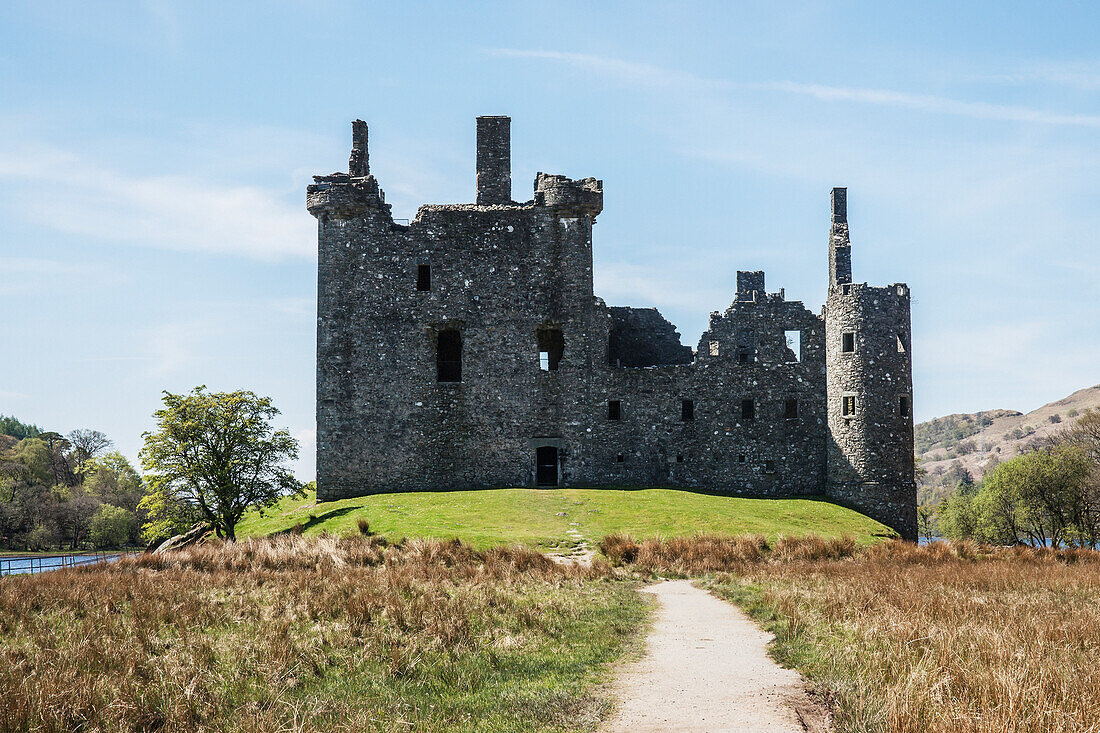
929, 103
70, 194
651, 75
630, 71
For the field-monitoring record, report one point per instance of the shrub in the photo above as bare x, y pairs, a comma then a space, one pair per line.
619, 548
363, 525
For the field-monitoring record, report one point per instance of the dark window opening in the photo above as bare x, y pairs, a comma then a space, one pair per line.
849, 406
848, 342
903, 405
551, 347
614, 410
847, 289
769, 466
748, 409
687, 410
620, 458
790, 410
448, 356
423, 277
746, 346
546, 466
901, 343
679, 457
741, 458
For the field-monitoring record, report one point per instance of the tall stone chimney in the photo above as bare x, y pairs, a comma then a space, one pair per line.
840, 248
359, 163
494, 160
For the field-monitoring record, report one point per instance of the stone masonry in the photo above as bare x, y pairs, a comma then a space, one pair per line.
468, 350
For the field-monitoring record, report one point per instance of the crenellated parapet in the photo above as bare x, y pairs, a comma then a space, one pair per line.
343, 197
579, 198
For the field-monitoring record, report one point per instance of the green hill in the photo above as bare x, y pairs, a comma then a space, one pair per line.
557, 518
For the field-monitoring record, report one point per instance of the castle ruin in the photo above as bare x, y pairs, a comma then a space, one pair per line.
466, 349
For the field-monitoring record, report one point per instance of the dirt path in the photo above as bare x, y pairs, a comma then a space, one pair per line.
706, 669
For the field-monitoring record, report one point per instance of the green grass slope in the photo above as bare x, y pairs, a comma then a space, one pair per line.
556, 518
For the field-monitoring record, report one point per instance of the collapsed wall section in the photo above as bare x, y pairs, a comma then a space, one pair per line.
641, 337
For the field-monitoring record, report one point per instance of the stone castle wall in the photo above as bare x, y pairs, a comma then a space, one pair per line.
555, 387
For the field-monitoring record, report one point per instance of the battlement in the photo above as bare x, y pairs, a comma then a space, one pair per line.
342, 196
580, 197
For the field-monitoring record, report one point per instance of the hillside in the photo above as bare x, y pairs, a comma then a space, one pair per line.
559, 518
974, 443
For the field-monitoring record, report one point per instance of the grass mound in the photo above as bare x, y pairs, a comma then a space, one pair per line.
558, 518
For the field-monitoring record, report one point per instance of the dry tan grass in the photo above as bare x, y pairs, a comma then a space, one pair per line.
944, 638
949, 637
709, 553
295, 633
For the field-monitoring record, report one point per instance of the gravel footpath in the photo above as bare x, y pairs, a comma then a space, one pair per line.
706, 668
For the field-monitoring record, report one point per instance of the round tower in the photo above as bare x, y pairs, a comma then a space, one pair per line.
869, 378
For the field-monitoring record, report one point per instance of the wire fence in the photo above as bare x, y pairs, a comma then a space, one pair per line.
30, 564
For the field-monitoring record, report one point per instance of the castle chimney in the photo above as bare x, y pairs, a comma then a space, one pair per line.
750, 285
840, 247
494, 160
359, 163
839, 199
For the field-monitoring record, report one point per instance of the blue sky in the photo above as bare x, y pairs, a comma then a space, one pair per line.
154, 157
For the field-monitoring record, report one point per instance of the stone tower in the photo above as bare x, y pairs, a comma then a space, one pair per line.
869, 379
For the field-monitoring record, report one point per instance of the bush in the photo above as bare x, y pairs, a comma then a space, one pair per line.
110, 526
619, 548
363, 526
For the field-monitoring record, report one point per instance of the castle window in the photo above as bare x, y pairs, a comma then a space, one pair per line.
551, 347
714, 348
423, 277
904, 407
679, 457
687, 410
746, 346
901, 343
741, 458
620, 458
793, 343
848, 342
848, 405
748, 409
847, 289
448, 356
790, 410
769, 466
614, 410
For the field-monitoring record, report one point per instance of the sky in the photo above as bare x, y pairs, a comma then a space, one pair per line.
154, 157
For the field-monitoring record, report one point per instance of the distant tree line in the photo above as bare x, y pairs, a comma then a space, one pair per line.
66, 492
1049, 495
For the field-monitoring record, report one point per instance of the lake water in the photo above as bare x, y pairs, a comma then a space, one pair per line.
45, 563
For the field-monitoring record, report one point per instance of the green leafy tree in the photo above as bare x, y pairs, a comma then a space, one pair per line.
164, 515
958, 517
219, 453
16, 429
110, 526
